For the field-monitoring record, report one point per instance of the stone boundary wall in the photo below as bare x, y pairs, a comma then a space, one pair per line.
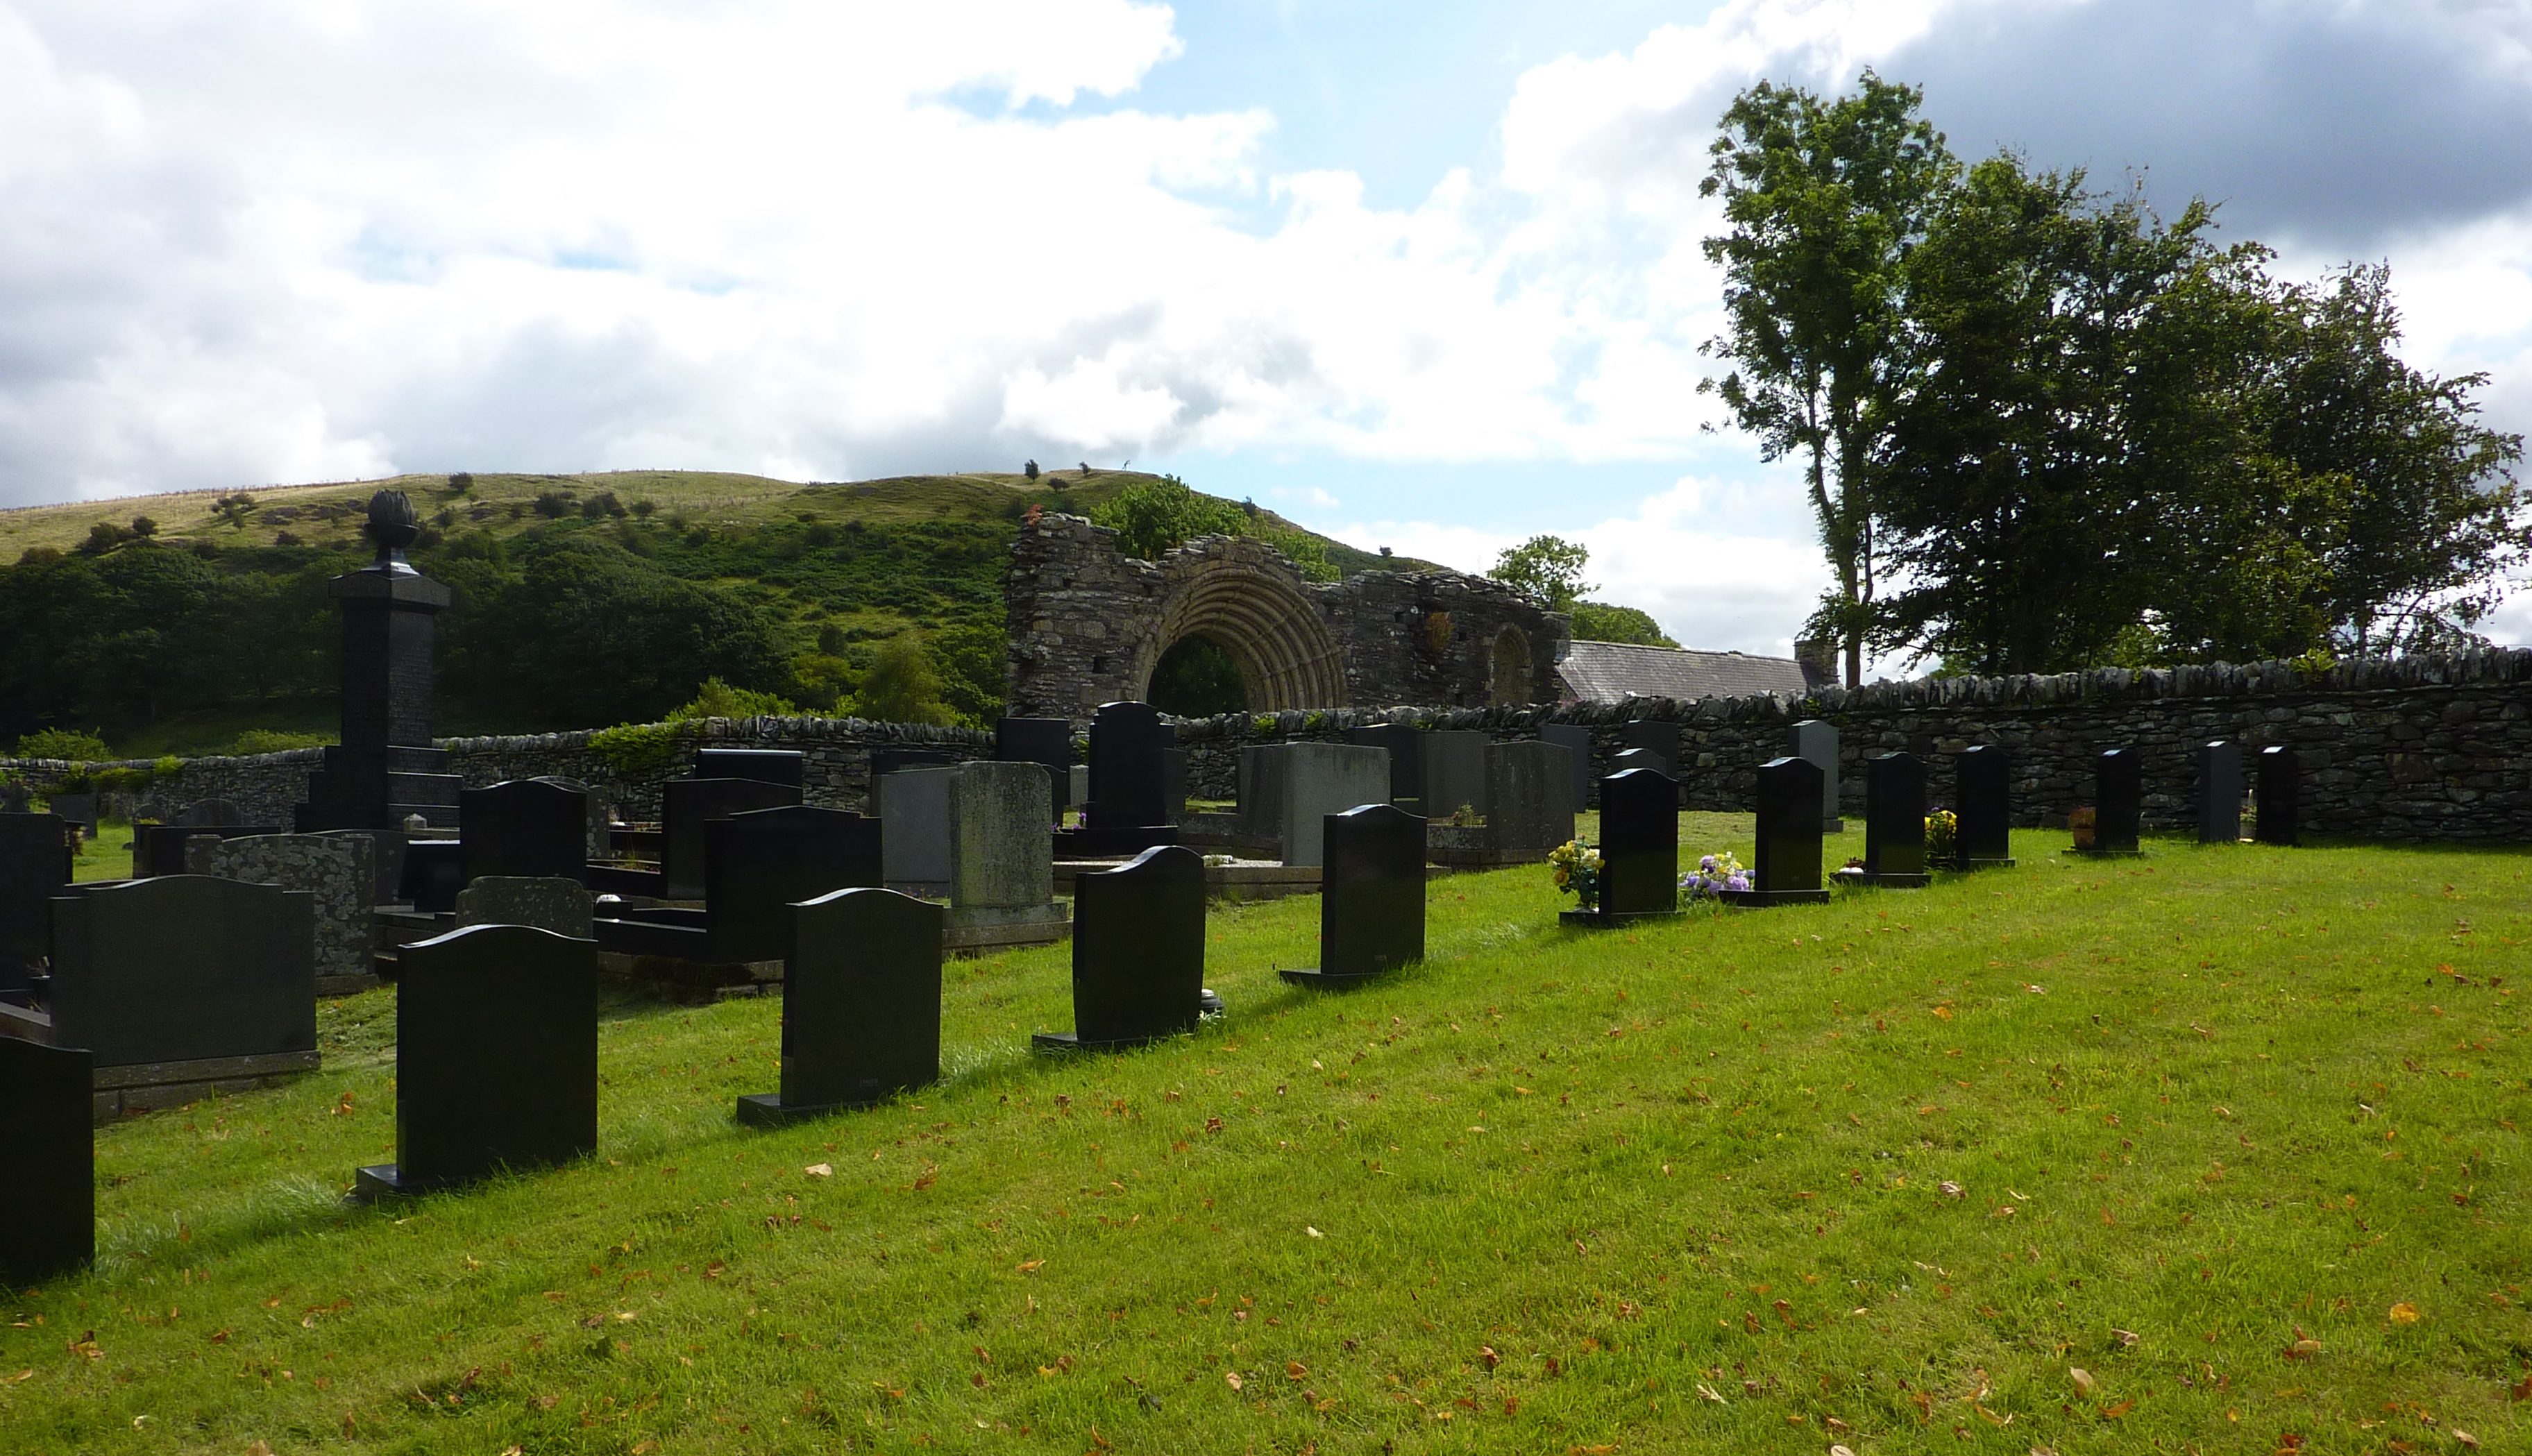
2407, 748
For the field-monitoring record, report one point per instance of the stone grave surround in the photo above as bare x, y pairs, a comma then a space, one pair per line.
547, 902
1371, 901
1002, 858
35, 865
496, 1058
1983, 778
1894, 821
181, 986
524, 829
1638, 848
2280, 797
336, 869
861, 1004
1137, 952
49, 1197
2220, 792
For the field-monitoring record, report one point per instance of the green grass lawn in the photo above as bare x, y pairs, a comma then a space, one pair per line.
2234, 1132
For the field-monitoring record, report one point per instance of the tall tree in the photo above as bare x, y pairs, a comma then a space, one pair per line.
1825, 198
1547, 567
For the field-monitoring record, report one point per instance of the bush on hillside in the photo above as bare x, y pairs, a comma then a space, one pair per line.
64, 743
1598, 622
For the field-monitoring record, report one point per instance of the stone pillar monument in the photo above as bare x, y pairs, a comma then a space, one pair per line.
385, 768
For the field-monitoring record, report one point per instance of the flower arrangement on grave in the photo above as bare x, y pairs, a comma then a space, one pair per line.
1466, 817
1942, 836
1714, 874
1575, 868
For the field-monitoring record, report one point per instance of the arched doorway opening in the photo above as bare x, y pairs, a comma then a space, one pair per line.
1244, 599
1510, 675
1198, 677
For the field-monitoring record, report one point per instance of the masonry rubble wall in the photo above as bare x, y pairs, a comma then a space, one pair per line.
2416, 748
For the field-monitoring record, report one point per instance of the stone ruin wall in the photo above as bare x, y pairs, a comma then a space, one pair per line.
2423, 748
1086, 624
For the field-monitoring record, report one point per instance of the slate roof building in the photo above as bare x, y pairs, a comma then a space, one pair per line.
1614, 671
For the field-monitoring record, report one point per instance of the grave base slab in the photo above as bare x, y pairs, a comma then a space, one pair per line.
1978, 864
1065, 1041
1313, 976
1882, 882
388, 1180
1609, 919
978, 929
769, 1110
2110, 853
1761, 900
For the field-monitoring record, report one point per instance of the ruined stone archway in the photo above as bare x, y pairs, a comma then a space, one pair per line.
1511, 677
1245, 596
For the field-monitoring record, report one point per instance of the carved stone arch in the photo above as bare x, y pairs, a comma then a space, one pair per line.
1511, 670
1243, 595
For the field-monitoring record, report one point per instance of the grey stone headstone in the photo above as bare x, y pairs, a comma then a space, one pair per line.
1323, 778
885, 762
49, 1199
184, 969
337, 869
1002, 840
1639, 843
1078, 777
14, 798
861, 1003
34, 866
496, 1057
545, 903
786, 766
1529, 799
1455, 774
524, 829
1371, 896
693, 803
1576, 740
2220, 792
914, 832
1137, 951
1816, 742
1261, 791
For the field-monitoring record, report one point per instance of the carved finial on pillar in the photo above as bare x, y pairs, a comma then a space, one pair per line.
392, 526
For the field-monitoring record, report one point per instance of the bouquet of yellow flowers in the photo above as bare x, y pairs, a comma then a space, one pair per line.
1575, 868
1942, 836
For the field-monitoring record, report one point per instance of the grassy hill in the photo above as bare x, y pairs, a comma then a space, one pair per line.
172, 624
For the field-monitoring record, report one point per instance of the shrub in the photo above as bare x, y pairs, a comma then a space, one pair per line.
717, 699
638, 753
274, 740
902, 685
168, 766
64, 743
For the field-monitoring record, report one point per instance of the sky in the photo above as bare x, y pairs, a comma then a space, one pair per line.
1423, 275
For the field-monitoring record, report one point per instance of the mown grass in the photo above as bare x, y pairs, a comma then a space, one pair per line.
1674, 1189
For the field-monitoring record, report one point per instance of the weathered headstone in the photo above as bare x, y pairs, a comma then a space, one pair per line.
185, 968
1787, 866
1046, 742
861, 1005
1983, 778
1894, 822
1406, 745
692, 803
544, 902
2280, 798
1137, 952
47, 1163
1002, 870
2118, 803
1576, 739
1318, 779
785, 766
1529, 800
887, 762
1261, 793
1638, 848
35, 865
496, 1057
1455, 773
2220, 792
914, 841
1816, 742
335, 869
524, 829
1078, 775
1371, 895
213, 814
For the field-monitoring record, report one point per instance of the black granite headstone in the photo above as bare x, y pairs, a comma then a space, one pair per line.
764, 765
760, 863
1261, 791
1894, 822
1128, 773
35, 865
47, 1162
1137, 952
1661, 739
496, 1057
2220, 792
1175, 765
2280, 800
1787, 866
524, 829
159, 848
1371, 895
1626, 760
1406, 745
693, 803
433, 873
1983, 779
861, 1005
1639, 846
185, 968
1577, 739
1040, 740
2118, 803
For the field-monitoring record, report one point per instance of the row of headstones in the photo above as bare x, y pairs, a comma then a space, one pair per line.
497, 1047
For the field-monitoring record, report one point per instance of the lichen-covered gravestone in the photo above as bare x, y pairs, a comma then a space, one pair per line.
542, 902
861, 1004
335, 868
496, 1057
1002, 870
1455, 773
1529, 800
